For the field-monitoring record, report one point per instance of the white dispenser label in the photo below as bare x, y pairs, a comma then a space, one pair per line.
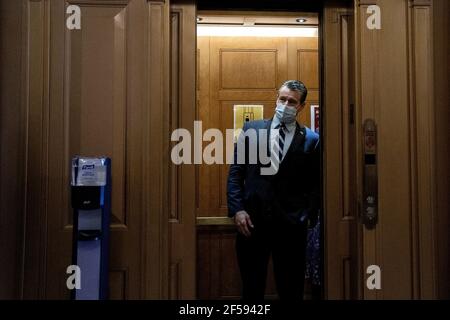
90, 172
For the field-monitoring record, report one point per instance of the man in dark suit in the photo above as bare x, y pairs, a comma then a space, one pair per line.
272, 211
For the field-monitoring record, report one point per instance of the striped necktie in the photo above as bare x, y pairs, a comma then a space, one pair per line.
281, 136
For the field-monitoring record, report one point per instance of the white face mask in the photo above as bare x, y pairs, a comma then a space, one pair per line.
285, 114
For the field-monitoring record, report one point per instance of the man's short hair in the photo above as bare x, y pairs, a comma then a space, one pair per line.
295, 85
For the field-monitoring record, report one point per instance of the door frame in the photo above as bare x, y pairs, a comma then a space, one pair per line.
342, 263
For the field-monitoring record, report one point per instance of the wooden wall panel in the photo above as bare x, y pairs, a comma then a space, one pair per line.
182, 178
218, 274
248, 69
202, 113
156, 90
383, 85
308, 72
341, 272
404, 242
101, 90
422, 110
101, 46
308, 68
367, 69
12, 149
118, 284
94, 93
37, 21
425, 89
92, 122
441, 72
411, 243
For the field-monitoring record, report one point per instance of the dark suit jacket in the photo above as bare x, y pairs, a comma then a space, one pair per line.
292, 194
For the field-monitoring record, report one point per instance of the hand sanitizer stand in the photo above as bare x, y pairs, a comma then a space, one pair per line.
91, 203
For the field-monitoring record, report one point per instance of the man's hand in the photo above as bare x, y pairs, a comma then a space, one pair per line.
243, 223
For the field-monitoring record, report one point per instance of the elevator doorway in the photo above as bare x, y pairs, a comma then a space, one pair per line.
243, 58
235, 68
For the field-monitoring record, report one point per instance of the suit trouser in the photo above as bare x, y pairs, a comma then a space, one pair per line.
287, 245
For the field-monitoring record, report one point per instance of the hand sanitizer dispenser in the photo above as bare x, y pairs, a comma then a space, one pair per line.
91, 203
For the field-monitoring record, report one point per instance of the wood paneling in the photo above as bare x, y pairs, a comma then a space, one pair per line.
341, 272
91, 94
114, 74
389, 249
398, 94
367, 69
101, 46
182, 178
118, 284
248, 69
441, 72
12, 149
423, 169
424, 109
37, 106
91, 122
308, 68
217, 273
155, 145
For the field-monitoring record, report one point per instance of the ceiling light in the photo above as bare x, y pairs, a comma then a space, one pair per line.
199, 19
301, 20
240, 31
